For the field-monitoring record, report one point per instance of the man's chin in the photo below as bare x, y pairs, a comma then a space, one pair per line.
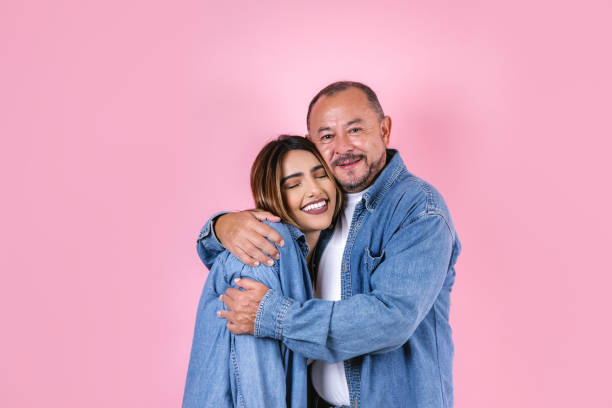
354, 185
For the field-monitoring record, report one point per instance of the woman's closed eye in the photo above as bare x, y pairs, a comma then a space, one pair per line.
320, 174
291, 185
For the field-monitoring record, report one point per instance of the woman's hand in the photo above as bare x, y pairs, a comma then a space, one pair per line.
244, 235
243, 305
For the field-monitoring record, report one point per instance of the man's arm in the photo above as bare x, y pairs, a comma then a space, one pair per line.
404, 287
243, 234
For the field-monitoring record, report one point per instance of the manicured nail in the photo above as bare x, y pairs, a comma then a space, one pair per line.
269, 262
221, 298
237, 280
282, 243
277, 256
255, 263
218, 313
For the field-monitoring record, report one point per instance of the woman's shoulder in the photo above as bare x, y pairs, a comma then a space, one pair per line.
289, 233
282, 228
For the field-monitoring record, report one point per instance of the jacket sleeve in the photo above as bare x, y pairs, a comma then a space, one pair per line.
207, 244
227, 370
405, 284
257, 363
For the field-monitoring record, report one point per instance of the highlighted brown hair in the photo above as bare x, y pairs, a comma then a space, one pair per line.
267, 172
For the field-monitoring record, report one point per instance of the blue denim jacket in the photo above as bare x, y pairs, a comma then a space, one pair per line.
226, 370
391, 327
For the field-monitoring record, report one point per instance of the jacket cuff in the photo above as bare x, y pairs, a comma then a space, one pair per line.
207, 236
271, 315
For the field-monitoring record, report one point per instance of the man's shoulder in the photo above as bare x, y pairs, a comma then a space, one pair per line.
420, 197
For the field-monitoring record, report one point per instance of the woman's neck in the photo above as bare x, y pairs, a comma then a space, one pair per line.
311, 239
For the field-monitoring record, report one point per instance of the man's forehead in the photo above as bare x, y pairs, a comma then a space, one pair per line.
344, 106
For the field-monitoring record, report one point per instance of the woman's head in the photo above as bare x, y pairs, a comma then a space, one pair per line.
290, 179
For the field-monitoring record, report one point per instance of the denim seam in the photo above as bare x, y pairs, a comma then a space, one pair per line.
353, 375
434, 213
392, 178
258, 316
241, 401
435, 316
280, 319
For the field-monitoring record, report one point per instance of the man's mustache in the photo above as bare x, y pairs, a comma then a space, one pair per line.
349, 157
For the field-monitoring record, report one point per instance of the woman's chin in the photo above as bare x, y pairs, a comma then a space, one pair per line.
315, 226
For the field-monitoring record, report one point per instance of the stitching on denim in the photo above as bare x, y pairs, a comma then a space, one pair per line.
241, 401
435, 316
353, 375
204, 232
433, 213
258, 315
400, 168
286, 303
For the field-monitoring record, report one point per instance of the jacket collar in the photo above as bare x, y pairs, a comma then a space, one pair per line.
394, 168
299, 237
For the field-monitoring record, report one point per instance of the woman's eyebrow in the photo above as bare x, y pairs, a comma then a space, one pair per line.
290, 176
315, 168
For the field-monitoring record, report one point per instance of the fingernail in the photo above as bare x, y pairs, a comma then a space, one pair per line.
237, 280
277, 256
282, 243
256, 263
270, 262
218, 313
221, 298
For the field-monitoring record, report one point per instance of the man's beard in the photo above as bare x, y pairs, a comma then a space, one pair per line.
362, 182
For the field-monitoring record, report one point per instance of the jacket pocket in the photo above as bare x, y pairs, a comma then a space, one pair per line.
371, 260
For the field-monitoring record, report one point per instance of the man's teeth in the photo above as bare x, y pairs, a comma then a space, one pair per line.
314, 206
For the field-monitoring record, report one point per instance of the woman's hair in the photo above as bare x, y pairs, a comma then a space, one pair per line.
267, 172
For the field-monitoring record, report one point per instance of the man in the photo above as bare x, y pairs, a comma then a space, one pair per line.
379, 328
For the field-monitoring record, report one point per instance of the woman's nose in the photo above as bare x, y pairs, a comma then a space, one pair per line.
314, 188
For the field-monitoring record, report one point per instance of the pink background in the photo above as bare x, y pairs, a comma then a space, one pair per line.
126, 124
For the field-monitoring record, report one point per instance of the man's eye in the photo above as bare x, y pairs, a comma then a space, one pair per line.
354, 130
326, 137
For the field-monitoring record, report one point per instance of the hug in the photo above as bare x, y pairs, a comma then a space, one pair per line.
335, 291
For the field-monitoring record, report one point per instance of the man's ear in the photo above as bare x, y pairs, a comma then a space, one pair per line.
385, 129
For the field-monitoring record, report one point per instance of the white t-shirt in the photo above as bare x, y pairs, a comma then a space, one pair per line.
329, 379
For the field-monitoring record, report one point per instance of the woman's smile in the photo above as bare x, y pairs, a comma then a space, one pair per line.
316, 207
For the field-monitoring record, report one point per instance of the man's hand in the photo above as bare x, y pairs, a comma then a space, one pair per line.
243, 305
244, 235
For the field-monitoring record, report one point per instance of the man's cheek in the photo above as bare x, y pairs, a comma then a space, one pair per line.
328, 155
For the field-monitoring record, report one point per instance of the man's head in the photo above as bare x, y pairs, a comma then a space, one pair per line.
347, 124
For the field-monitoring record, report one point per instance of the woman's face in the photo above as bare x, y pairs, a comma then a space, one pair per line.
309, 194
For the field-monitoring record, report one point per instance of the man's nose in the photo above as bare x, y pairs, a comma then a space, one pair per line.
343, 143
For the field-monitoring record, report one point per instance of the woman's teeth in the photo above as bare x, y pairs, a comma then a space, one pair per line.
314, 206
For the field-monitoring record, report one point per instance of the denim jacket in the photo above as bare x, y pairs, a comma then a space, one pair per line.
226, 370
391, 327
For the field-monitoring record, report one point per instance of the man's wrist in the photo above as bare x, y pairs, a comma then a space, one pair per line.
271, 315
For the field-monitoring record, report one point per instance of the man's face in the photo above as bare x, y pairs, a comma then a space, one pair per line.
350, 137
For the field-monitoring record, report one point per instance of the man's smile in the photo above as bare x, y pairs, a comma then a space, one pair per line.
348, 163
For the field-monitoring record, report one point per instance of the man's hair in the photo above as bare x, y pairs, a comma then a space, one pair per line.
267, 173
340, 86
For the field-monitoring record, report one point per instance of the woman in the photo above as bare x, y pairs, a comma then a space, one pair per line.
288, 178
